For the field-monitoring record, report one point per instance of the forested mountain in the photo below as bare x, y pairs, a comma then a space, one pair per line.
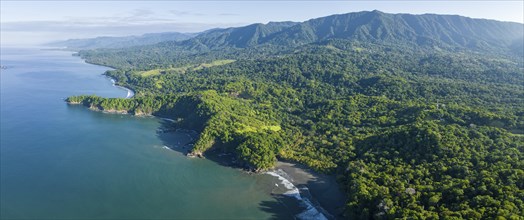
241, 37
422, 30
121, 42
418, 116
375, 26
431, 32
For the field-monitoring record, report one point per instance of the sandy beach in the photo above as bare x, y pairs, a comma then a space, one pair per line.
130, 92
309, 194
320, 189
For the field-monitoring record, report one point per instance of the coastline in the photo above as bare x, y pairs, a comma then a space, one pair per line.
309, 194
319, 193
74, 52
314, 195
130, 92
321, 190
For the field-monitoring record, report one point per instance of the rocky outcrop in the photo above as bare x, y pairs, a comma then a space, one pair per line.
141, 113
193, 154
115, 111
112, 111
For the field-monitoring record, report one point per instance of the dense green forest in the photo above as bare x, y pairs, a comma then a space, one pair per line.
410, 131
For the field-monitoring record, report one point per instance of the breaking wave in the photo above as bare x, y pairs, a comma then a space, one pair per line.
311, 212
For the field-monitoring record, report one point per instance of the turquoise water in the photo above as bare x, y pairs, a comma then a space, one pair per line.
61, 161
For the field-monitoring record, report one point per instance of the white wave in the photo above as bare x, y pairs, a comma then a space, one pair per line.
130, 92
167, 119
292, 189
311, 212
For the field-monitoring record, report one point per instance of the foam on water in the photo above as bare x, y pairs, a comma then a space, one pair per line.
168, 119
311, 211
130, 92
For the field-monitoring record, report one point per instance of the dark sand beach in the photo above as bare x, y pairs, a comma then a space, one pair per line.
321, 189
308, 194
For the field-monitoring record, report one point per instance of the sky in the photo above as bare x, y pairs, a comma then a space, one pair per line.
36, 22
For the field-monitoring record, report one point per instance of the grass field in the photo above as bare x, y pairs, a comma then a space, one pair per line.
183, 69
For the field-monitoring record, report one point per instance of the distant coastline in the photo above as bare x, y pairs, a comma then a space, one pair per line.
130, 92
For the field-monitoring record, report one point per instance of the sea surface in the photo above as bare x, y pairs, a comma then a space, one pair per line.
67, 162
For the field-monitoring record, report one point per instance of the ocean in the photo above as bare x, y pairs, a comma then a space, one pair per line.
68, 162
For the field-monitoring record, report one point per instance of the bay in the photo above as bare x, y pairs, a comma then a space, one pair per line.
62, 161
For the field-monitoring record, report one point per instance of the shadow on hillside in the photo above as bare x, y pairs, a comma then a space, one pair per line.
178, 140
181, 140
223, 158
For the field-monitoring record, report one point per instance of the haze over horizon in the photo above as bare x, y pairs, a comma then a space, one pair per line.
37, 22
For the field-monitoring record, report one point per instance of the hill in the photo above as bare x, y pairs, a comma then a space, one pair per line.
428, 31
375, 26
421, 30
121, 42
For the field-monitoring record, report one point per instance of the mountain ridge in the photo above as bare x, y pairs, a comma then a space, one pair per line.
428, 32
426, 29
121, 42
451, 31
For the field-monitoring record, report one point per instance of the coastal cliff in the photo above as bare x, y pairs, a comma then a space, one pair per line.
225, 123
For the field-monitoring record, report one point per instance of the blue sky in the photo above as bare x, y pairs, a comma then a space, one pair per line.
33, 22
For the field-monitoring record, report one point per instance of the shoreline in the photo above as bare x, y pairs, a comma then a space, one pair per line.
317, 195
309, 194
130, 92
